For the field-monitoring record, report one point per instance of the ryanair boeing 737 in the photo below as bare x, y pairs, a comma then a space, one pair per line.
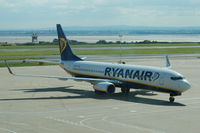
105, 77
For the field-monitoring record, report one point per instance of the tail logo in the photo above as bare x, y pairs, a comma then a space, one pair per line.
62, 44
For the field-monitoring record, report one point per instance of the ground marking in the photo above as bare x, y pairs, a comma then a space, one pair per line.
5, 129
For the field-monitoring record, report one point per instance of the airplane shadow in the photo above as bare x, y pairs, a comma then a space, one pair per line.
132, 97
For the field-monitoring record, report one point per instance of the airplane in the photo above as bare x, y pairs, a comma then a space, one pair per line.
105, 77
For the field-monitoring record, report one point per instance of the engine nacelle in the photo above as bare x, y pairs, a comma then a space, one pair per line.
105, 87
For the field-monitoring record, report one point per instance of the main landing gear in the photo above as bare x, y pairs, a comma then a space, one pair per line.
125, 90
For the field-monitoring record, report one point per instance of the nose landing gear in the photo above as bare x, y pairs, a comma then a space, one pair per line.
171, 99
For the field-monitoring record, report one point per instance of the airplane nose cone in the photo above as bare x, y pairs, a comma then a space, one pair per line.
185, 85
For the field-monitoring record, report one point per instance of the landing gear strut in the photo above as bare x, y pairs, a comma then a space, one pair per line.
125, 90
171, 99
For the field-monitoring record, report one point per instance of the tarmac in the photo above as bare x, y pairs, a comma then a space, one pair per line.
41, 105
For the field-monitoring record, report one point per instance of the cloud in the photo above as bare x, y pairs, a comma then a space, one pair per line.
100, 12
7, 4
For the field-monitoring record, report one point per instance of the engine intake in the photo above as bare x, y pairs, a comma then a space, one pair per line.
105, 87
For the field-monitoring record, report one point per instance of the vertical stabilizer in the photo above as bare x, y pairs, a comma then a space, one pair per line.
65, 50
168, 64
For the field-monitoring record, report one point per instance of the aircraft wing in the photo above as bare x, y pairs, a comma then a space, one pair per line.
91, 80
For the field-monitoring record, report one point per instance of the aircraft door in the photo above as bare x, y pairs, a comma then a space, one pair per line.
161, 80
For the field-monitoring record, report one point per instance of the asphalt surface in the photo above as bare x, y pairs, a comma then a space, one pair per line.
38, 105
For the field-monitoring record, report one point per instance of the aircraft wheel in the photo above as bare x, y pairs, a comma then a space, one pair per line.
125, 90
171, 99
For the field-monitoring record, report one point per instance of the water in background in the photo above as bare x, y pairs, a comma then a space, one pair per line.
94, 39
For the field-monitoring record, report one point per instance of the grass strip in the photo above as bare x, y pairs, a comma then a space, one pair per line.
101, 45
108, 51
134, 45
139, 51
18, 58
21, 53
29, 46
19, 64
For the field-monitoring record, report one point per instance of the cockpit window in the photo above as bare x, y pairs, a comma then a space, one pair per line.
176, 78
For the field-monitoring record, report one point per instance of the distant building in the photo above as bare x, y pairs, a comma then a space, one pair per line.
7, 44
34, 38
55, 40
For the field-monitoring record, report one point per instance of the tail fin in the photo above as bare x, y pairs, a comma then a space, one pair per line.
65, 50
168, 64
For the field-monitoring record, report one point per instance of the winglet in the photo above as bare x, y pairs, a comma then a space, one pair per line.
10, 71
168, 64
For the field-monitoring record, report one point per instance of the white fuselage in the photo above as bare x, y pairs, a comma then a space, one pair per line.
162, 79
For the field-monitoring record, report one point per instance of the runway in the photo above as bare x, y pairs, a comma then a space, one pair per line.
39, 105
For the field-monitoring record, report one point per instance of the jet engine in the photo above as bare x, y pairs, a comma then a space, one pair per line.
106, 87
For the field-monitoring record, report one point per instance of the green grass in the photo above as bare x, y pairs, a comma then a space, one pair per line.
23, 53
28, 47
134, 45
99, 45
18, 58
108, 51
139, 51
19, 64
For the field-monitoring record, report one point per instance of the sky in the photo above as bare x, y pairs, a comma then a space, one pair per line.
23, 14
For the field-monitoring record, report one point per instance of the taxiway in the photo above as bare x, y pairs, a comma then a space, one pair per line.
30, 105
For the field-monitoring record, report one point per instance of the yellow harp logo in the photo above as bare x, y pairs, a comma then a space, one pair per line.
62, 44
